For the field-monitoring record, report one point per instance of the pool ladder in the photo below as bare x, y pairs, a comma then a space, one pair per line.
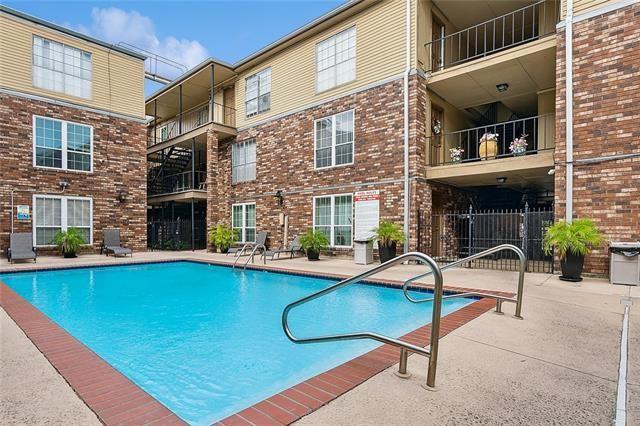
254, 247
432, 350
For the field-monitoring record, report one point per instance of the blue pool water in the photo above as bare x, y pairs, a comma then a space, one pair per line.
206, 340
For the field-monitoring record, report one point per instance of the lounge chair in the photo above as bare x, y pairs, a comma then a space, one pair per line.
293, 248
111, 243
261, 239
21, 247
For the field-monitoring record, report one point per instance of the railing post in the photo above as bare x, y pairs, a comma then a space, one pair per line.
470, 232
212, 94
525, 233
180, 110
435, 329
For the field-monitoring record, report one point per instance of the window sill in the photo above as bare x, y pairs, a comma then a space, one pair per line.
334, 167
56, 169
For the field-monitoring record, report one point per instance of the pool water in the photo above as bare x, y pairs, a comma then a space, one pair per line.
207, 340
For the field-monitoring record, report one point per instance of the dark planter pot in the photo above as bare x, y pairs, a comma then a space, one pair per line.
571, 267
224, 250
69, 255
313, 255
387, 252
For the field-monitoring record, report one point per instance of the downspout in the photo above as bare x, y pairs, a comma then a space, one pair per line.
569, 110
407, 191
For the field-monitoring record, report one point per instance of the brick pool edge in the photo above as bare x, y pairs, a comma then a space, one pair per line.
115, 399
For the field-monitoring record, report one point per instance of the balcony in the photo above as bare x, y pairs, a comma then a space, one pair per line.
195, 118
495, 35
177, 183
539, 131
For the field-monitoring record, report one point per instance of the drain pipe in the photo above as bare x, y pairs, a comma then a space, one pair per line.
407, 191
568, 31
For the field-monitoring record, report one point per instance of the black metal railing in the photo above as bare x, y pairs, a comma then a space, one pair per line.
209, 112
176, 234
178, 182
538, 133
454, 235
514, 28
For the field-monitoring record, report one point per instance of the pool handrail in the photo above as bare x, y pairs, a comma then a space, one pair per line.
253, 253
431, 351
499, 299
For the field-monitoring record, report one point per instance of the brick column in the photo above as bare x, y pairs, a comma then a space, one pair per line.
212, 180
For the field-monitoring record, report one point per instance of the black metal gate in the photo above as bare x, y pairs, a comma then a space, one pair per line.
176, 234
455, 235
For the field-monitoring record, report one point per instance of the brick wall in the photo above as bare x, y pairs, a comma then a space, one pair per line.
285, 161
119, 163
606, 71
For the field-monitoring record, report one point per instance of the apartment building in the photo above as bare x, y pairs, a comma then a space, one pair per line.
72, 134
409, 111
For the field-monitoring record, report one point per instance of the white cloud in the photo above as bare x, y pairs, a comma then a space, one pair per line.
115, 25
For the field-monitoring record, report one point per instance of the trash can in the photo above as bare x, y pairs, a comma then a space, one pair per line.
624, 267
363, 249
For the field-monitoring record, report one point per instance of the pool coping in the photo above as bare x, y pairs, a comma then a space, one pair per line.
115, 399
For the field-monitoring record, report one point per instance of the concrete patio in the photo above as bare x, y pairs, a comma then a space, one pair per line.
559, 365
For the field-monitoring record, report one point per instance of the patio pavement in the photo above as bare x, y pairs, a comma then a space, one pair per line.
559, 365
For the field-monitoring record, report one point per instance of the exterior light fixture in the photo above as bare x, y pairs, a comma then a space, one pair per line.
122, 195
502, 87
551, 172
63, 184
279, 197
501, 179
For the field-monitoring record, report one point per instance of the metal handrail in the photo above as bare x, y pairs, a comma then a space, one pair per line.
431, 352
239, 254
499, 299
253, 253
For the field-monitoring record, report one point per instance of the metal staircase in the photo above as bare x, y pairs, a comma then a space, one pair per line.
176, 160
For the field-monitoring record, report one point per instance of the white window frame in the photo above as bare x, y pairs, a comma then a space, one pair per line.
333, 141
65, 74
243, 236
335, 65
259, 93
333, 209
63, 215
64, 147
244, 166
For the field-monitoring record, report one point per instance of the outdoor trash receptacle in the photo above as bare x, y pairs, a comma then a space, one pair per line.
624, 267
363, 249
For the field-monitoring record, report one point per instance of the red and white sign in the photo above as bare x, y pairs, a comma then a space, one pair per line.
367, 196
367, 206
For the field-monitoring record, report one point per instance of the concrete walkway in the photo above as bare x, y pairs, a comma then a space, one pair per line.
558, 365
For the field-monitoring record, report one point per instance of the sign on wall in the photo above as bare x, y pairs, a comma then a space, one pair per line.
367, 206
23, 212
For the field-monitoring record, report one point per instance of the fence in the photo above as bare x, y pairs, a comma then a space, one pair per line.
455, 235
176, 235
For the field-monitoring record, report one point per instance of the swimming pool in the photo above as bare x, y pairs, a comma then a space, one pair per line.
206, 340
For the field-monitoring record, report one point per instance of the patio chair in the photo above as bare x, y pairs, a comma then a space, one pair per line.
111, 243
293, 248
261, 239
21, 247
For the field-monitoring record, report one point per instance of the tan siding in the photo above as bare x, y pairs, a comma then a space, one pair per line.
118, 80
380, 53
582, 6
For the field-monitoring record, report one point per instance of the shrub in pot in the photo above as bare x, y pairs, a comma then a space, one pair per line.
388, 235
69, 241
312, 242
222, 237
572, 241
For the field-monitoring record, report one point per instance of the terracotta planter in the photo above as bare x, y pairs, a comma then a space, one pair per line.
387, 252
488, 150
571, 267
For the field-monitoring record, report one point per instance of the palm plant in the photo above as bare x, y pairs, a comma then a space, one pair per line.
388, 234
223, 236
577, 237
313, 242
69, 241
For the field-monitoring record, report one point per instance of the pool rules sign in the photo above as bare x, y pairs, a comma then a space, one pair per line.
367, 212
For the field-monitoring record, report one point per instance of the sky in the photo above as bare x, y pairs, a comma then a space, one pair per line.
184, 31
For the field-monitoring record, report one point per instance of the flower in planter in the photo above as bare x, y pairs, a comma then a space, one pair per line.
519, 145
456, 154
489, 137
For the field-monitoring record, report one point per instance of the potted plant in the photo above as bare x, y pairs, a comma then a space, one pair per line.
572, 242
488, 146
222, 237
456, 154
312, 242
388, 235
519, 145
69, 242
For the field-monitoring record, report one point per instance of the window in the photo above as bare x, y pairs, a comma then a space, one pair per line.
54, 213
258, 92
62, 145
333, 138
243, 160
61, 68
336, 60
332, 215
243, 221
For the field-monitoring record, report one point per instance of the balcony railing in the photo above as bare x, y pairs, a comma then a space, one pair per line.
210, 112
518, 27
178, 182
539, 131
